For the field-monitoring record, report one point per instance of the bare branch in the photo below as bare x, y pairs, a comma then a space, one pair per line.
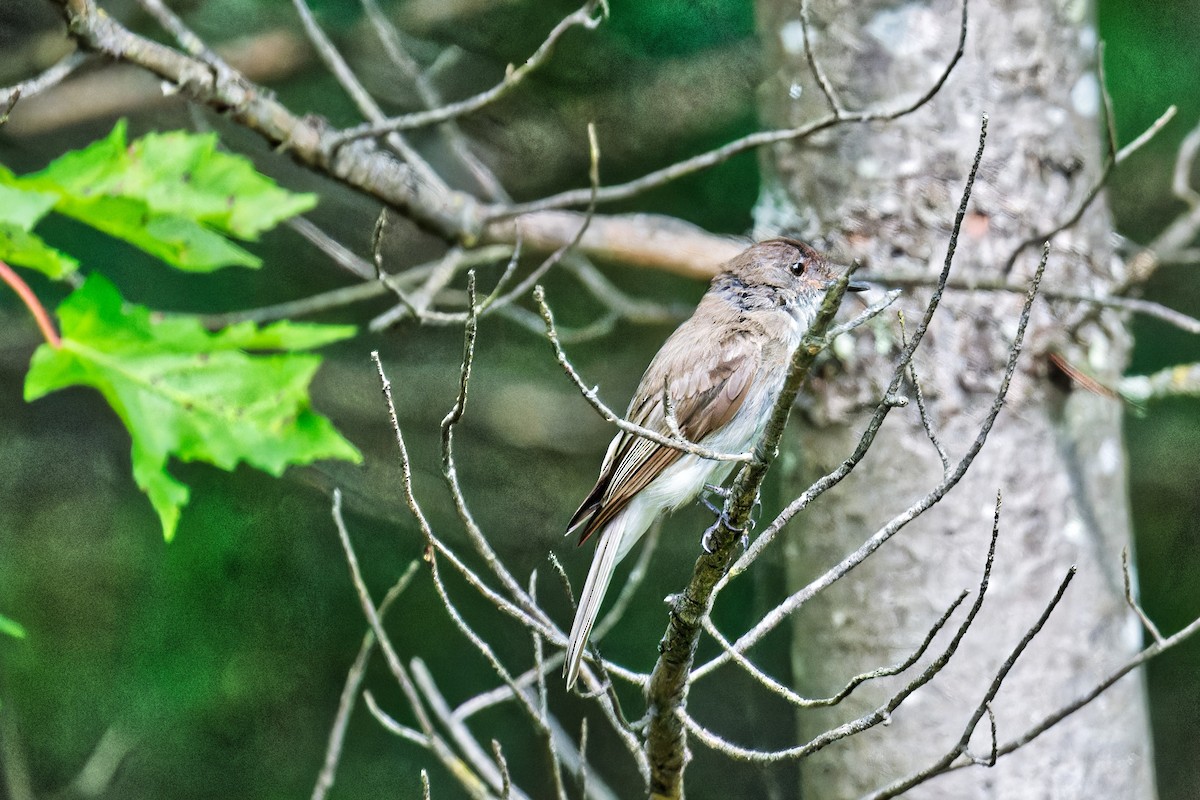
827, 89
430, 738
408, 186
776, 616
39, 83
450, 469
1180, 380
661, 177
797, 700
1113, 158
506, 793
543, 707
882, 714
886, 404
1068, 709
354, 679
534, 621
926, 422
1147, 623
436, 545
372, 614
1134, 304
485, 649
591, 395
390, 723
184, 36
942, 765
362, 99
390, 39
461, 735
865, 316
585, 16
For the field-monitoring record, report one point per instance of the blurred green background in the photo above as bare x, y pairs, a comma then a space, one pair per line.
217, 660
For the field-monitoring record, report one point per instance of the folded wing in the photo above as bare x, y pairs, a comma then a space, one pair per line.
706, 388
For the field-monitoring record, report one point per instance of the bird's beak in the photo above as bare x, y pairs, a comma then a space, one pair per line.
852, 286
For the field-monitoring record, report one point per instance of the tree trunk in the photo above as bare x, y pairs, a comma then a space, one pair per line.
887, 194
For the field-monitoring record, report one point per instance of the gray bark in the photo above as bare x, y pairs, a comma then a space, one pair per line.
887, 194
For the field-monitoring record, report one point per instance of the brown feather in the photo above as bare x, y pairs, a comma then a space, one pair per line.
707, 387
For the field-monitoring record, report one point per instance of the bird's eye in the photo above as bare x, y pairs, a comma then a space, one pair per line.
797, 267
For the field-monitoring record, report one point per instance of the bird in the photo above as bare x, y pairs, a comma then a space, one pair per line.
722, 371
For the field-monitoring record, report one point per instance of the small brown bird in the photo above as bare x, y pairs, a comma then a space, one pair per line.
723, 370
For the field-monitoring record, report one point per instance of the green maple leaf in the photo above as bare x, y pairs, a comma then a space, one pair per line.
187, 392
173, 195
20, 210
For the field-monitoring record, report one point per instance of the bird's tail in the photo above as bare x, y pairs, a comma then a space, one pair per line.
604, 562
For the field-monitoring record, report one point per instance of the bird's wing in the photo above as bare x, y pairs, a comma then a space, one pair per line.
706, 386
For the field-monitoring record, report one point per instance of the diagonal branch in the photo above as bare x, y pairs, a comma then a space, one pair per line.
942, 765
666, 694
584, 16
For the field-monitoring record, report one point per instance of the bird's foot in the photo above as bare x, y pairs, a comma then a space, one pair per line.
720, 491
724, 493
708, 540
708, 491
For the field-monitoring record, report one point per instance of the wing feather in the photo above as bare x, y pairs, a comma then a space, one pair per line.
707, 389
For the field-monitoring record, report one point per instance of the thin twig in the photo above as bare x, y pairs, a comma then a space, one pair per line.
827, 89
1111, 161
543, 706
534, 623
804, 702
389, 37
1147, 623
990, 761
354, 679
926, 422
359, 95
474, 786
450, 469
1050, 720
1171, 244
507, 787
497, 301
183, 35
391, 724
863, 317
1134, 304
591, 395
881, 715
460, 734
436, 545
431, 740
372, 614
886, 404
942, 765
341, 255
660, 177
54, 75
584, 16
781, 612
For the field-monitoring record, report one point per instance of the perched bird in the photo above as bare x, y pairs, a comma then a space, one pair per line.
722, 369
